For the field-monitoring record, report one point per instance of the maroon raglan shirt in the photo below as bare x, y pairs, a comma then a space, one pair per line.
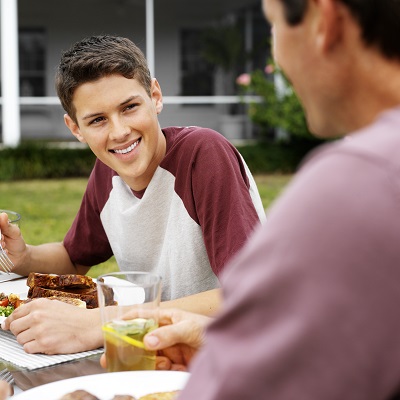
198, 210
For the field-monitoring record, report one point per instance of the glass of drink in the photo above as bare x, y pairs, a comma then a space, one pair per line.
13, 217
135, 313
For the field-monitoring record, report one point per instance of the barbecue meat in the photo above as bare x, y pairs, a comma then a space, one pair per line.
89, 296
161, 396
83, 395
71, 286
53, 281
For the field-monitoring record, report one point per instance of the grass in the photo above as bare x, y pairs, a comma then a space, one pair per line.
49, 206
270, 186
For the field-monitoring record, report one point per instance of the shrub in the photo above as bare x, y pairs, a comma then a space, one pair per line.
276, 157
279, 106
40, 161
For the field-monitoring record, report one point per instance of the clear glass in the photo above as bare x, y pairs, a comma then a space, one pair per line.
134, 314
14, 217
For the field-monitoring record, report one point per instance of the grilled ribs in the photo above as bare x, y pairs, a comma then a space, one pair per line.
73, 286
53, 281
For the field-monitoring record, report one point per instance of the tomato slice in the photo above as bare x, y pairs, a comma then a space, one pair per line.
4, 302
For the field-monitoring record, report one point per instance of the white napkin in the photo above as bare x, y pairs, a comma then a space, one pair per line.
13, 352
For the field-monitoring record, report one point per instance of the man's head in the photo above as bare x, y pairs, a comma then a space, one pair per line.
95, 57
378, 19
338, 54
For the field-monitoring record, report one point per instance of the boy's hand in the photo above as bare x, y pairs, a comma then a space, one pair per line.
53, 327
5, 390
11, 240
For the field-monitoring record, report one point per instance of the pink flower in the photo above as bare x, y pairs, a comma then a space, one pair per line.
269, 69
243, 80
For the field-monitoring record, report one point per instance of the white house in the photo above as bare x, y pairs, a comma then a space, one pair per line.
170, 32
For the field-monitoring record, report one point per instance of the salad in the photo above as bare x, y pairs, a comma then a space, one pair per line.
8, 304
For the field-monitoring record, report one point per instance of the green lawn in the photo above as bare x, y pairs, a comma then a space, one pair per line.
270, 186
49, 206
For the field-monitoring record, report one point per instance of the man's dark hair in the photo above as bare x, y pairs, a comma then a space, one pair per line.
378, 19
95, 57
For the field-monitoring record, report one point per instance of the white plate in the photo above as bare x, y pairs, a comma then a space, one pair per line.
107, 385
18, 287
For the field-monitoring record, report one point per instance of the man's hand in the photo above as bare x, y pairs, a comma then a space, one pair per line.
177, 339
53, 327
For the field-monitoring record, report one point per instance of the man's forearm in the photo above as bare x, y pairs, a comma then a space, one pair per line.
205, 303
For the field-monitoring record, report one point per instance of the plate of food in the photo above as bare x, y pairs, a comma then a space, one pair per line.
134, 385
8, 303
76, 290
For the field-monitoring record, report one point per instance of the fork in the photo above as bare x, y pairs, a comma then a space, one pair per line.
5, 263
5, 375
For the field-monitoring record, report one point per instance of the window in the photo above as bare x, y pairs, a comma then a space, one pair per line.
197, 75
261, 38
32, 55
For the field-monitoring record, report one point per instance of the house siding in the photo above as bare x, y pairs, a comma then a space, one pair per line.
67, 22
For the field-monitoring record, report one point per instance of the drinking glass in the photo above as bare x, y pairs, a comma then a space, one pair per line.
13, 217
135, 313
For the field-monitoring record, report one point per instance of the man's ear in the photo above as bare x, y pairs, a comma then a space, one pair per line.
74, 128
330, 23
156, 95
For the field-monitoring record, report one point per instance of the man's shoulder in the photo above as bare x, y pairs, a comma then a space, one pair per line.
376, 144
380, 140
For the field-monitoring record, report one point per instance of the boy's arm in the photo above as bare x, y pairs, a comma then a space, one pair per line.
45, 258
205, 303
48, 258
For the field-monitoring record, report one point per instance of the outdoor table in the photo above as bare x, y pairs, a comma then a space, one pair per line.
26, 379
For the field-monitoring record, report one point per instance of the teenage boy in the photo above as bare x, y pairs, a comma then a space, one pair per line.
178, 201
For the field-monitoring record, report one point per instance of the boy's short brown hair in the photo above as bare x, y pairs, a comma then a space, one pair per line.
95, 57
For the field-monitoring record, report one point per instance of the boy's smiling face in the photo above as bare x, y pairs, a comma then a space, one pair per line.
119, 121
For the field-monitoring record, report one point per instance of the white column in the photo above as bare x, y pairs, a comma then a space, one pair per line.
10, 73
150, 36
